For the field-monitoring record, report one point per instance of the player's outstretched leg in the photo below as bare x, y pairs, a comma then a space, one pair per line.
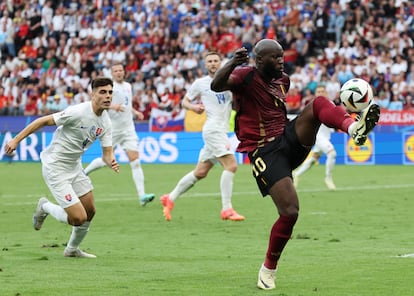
366, 124
336, 116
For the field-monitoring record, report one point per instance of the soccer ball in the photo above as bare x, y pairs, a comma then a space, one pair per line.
356, 94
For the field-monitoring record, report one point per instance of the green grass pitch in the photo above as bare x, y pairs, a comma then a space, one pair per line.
350, 242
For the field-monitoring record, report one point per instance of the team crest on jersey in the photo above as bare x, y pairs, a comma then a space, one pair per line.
68, 197
98, 131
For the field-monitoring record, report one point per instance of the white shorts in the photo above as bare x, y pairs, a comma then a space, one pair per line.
216, 144
66, 182
127, 139
322, 145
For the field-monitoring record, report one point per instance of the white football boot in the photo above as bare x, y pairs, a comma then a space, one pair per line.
365, 124
266, 279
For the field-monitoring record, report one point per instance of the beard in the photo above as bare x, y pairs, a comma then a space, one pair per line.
272, 72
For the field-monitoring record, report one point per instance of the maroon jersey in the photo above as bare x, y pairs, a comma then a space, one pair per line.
260, 106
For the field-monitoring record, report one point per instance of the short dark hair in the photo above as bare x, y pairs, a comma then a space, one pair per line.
101, 81
212, 53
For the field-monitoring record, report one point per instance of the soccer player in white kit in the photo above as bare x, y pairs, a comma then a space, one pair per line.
123, 131
216, 147
78, 127
323, 144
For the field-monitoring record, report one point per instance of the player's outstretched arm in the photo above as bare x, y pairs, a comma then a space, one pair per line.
109, 158
28, 130
222, 80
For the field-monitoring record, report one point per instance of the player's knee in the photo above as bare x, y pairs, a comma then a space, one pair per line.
289, 210
77, 220
232, 168
90, 213
331, 154
201, 174
135, 163
292, 212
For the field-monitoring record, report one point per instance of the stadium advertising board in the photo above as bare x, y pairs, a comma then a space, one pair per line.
183, 147
154, 147
392, 142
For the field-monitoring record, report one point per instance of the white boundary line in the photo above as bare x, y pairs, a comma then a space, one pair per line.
404, 256
111, 197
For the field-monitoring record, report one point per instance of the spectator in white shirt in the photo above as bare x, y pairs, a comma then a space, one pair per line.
47, 16
119, 56
346, 50
58, 23
80, 97
74, 59
98, 32
399, 65
331, 50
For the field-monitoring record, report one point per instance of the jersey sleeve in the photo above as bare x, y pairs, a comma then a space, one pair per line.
238, 74
194, 91
66, 117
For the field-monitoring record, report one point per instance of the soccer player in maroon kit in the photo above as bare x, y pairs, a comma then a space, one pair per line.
276, 145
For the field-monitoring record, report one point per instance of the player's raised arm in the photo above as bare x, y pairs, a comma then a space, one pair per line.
28, 130
222, 80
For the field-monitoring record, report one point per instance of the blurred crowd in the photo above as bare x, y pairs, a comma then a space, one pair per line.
50, 50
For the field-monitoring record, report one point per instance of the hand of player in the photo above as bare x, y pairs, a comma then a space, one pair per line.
119, 108
10, 147
198, 108
139, 115
115, 166
241, 56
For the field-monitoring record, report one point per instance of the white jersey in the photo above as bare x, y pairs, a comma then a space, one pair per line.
122, 94
77, 128
217, 104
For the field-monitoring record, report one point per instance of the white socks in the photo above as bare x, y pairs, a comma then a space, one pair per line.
188, 181
56, 212
306, 165
97, 163
183, 185
138, 176
77, 236
226, 188
330, 163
